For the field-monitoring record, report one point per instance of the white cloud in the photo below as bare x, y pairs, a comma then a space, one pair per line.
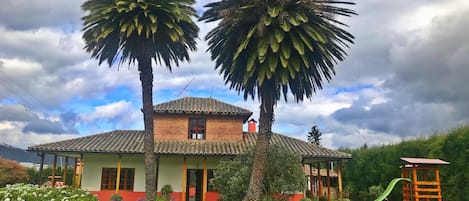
12, 134
25, 14
358, 138
108, 111
120, 115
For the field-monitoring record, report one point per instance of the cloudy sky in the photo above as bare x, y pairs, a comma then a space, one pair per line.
405, 77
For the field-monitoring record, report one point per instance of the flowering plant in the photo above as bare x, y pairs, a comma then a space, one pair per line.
29, 192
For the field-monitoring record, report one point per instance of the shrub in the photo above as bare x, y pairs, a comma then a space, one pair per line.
29, 192
283, 174
305, 199
166, 189
116, 197
375, 191
343, 199
12, 172
323, 198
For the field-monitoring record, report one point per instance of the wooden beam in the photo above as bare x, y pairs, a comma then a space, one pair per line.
311, 180
339, 177
437, 177
74, 182
184, 179
53, 171
157, 172
319, 180
118, 177
328, 181
414, 183
82, 166
64, 175
205, 179
41, 168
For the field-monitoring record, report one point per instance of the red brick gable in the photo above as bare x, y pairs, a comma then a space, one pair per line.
218, 128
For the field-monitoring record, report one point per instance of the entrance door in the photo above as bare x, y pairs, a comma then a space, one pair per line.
194, 184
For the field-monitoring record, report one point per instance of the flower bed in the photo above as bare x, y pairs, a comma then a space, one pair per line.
29, 192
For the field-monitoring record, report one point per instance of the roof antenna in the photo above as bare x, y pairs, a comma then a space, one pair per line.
184, 90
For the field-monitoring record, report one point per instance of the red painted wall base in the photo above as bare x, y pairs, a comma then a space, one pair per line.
176, 196
126, 195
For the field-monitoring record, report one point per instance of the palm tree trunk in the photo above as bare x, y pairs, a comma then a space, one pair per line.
266, 119
146, 78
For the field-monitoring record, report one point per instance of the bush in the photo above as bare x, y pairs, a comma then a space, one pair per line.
116, 197
29, 192
323, 198
305, 199
283, 174
375, 191
12, 172
166, 191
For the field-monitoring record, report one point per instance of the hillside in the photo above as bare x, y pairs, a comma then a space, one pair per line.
20, 155
379, 165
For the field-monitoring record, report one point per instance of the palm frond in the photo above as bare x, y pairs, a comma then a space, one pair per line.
292, 45
124, 30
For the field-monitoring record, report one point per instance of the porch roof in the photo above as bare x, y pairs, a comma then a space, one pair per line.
131, 141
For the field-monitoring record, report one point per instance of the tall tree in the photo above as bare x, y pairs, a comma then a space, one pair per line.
314, 136
144, 31
266, 48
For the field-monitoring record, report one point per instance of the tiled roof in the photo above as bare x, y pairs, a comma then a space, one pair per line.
131, 141
194, 105
426, 161
118, 141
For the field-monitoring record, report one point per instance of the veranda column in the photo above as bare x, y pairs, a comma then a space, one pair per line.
328, 181
311, 180
82, 166
53, 171
74, 181
64, 175
339, 178
319, 180
41, 168
157, 172
118, 177
204, 187
184, 179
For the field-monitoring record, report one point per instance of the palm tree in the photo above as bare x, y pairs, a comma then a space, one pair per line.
268, 48
142, 31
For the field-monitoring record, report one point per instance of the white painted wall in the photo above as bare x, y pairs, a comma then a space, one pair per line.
170, 172
94, 164
170, 169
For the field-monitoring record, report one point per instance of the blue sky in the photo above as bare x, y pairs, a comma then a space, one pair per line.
405, 77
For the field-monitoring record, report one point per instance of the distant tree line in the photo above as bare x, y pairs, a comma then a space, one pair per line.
377, 166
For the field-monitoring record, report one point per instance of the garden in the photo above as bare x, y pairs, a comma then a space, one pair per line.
26, 192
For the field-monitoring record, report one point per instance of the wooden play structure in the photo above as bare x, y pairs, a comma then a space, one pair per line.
425, 176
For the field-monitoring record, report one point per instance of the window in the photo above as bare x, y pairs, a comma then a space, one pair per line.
108, 179
197, 128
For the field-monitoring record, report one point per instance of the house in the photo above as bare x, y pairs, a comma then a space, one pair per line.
191, 136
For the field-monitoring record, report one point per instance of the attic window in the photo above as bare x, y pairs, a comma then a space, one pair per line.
197, 128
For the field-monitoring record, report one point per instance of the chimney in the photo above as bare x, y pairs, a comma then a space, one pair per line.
252, 126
